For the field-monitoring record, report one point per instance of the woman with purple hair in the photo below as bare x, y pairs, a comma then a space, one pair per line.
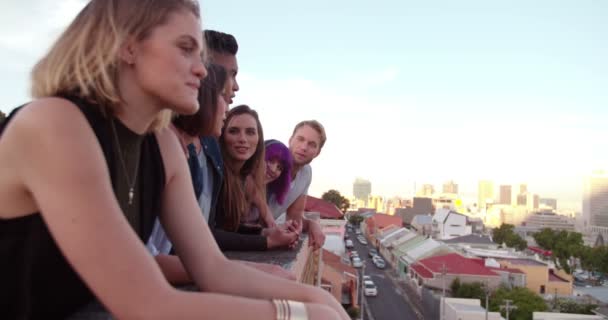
278, 170
277, 178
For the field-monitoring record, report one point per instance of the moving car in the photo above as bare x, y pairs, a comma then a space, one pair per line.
369, 288
357, 262
349, 243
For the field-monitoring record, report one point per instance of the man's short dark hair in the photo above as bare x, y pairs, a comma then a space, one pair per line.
221, 43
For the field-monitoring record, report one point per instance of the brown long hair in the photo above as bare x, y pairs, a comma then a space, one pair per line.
202, 122
235, 200
84, 60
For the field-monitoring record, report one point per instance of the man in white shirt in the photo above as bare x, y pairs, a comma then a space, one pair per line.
305, 144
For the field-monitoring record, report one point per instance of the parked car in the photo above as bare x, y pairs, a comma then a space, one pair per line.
349, 243
357, 231
357, 263
367, 278
379, 262
362, 240
372, 252
369, 288
353, 253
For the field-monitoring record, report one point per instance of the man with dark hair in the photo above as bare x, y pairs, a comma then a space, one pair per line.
222, 49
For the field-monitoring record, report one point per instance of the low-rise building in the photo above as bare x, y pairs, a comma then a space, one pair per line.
540, 278
437, 271
469, 309
378, 222
339, 279
423, 224
473, 241
449, 224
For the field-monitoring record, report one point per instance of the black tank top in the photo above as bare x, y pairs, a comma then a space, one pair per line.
36, 281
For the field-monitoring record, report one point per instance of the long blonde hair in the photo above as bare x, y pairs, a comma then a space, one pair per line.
84, 60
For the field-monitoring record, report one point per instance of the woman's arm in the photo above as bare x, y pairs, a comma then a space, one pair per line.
259, 202
62, 166
198, 251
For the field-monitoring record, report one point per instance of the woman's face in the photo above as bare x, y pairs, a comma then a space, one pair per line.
241, 137
274, 168
220, 116
167, 66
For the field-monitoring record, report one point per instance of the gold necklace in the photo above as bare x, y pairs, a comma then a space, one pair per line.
130, 183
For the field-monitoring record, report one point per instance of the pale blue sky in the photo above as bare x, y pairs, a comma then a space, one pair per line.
410, 91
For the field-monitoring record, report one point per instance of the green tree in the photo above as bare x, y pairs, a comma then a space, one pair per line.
353, 312
355, 219
474, 290
506, 234
525, 300
545, 238
336, 198
569, 306
564, 245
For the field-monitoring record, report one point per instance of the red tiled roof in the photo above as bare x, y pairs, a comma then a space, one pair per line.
546, 253
422, 271
482, 262
556, 278
327, 210
456, 264
382, 221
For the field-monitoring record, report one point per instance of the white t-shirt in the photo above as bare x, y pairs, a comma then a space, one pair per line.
299, 186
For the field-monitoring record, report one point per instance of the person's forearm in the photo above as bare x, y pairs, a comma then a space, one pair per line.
232, 241
173, 269
249, 282
252, 283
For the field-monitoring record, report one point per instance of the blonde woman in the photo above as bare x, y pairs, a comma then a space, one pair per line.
88, 163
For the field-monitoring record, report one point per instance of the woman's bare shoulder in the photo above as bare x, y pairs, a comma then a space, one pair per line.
48, 114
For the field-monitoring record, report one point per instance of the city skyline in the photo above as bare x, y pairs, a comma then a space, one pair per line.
471, 193
408, 92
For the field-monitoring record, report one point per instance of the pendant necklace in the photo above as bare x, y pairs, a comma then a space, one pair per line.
131, 184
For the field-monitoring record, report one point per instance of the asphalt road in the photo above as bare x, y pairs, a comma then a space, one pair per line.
390, 303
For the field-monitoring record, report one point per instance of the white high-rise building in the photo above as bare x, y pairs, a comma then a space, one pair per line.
595, 200
362, 189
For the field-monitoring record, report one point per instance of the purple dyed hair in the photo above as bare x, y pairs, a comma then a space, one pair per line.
275, 150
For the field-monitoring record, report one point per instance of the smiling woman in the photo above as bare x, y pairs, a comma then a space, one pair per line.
242, 143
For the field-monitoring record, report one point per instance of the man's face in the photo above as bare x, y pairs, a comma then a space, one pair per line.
229, 63
305, 145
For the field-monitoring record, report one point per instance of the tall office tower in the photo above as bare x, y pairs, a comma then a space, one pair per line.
523, 188
427, 191
549, 202
450, 187
595, 200
485, 194
505, 195
362, 189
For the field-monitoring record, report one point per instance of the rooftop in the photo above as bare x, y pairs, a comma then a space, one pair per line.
455, 264
471, 238
422, 219
327, 210
525, 262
